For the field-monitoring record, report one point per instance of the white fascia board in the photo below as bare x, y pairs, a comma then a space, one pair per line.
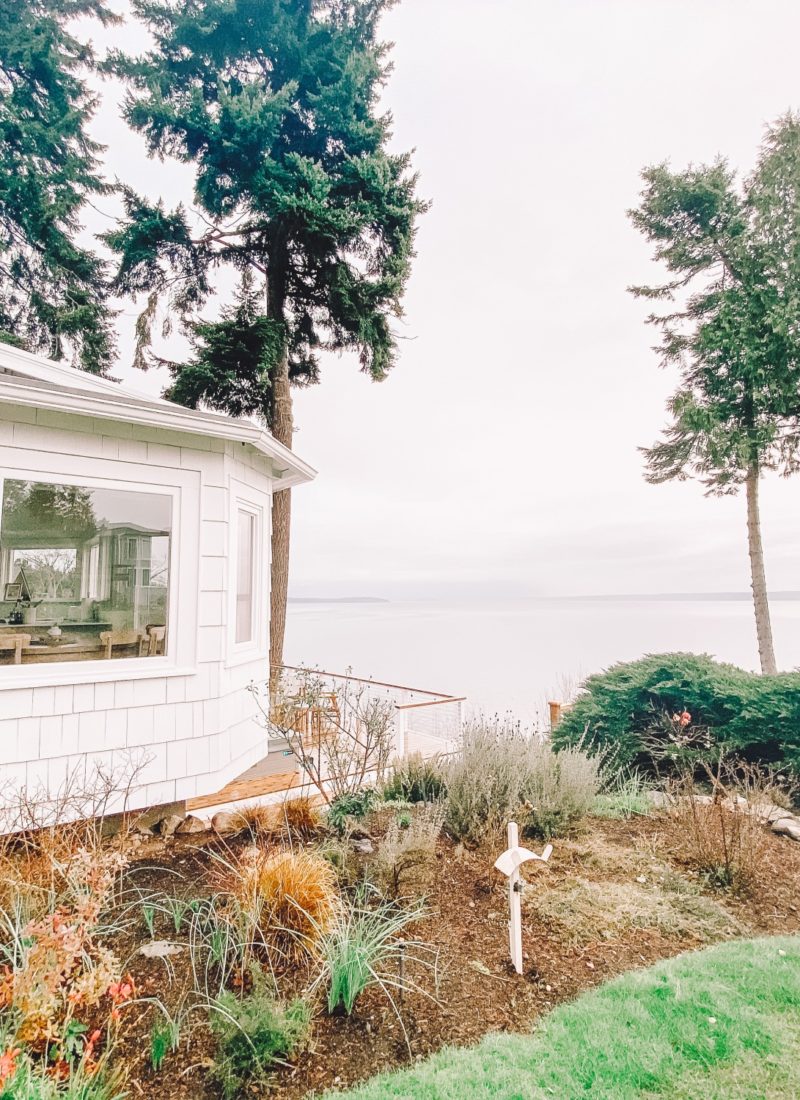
289, 470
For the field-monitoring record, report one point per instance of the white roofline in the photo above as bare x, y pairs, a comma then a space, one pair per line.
98, 397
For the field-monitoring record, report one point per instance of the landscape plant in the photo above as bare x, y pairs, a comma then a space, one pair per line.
503, 771
255, 1033
366, 946
338, 728
732, 253
622, 709
405, 859
415, 778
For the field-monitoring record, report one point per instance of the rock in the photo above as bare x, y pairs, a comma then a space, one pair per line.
660, 799
140, 829
787, 826
768, 812
363, 847
191, 824
358, 832
225, 822
167, 825
159, 949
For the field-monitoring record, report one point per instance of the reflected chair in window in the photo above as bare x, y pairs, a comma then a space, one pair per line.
119, 639
152, 644
15, 642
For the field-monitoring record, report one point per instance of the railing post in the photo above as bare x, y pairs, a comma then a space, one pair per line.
555, 714
400, 732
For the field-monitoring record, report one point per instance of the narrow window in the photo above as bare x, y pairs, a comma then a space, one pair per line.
245, 587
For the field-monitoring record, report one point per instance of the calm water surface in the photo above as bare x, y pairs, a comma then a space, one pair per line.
512, 655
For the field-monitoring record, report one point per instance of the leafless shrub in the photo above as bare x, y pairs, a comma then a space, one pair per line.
46, 833
341, 733
722, 826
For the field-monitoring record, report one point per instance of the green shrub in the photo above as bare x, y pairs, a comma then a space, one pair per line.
622, 709
352, 805
502, 772
255, 1032
415, 779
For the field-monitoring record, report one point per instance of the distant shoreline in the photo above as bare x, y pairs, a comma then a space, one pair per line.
336, 599
610, 597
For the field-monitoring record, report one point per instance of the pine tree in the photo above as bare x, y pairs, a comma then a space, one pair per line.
733, 252
275, 103
52, 295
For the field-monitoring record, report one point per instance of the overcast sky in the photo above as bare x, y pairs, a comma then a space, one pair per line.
501, 454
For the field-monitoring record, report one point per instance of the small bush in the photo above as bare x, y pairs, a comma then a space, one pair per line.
559, 788
255, 1033
355, 805
415, 779
298, 898
756, 717
406, 856
503, 772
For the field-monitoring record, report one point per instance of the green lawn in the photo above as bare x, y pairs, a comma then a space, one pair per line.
719, 1024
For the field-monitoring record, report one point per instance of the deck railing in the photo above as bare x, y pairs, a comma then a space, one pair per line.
427, 722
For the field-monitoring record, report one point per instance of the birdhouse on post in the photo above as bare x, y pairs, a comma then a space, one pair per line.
509, 864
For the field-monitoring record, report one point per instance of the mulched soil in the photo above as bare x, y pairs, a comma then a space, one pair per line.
477, 990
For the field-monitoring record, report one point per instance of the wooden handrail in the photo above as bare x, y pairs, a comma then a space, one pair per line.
378, 683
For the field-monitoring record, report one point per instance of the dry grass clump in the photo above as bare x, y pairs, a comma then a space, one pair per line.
666, 903
291, 895
257, 819
301, 817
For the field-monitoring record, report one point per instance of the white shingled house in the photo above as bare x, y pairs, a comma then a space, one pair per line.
134, 585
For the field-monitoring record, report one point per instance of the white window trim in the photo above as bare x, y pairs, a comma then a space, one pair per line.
183, 486
245, 498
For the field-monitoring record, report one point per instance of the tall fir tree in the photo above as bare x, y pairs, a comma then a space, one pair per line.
52, 290
275, 103
733, 253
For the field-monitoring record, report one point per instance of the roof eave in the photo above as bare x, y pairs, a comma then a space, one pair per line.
289, 469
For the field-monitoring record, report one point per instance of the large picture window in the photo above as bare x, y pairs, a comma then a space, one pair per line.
84, 572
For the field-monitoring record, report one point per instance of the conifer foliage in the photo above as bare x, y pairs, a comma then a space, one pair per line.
52, 296
733, 254
275, 104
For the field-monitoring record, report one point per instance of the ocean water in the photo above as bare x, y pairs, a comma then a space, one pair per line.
512, 655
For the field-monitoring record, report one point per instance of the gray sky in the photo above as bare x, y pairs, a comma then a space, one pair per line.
502, 451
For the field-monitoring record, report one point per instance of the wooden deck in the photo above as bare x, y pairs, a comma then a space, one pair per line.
242, 789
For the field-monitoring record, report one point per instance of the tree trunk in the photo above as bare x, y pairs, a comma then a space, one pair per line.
282, 427
766, 649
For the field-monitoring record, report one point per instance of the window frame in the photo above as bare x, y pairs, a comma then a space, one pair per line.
245, 499
183, 488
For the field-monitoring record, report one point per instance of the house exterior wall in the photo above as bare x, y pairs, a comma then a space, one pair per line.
185, 720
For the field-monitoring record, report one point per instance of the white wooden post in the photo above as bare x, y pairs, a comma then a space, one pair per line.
509, 864
514, 904
400, 735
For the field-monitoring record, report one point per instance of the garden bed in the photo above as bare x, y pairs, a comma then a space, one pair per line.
616, 896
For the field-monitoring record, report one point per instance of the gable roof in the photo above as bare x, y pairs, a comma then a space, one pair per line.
39, 383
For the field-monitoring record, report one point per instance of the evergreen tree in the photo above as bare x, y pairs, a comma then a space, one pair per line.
275, 104
51, 290
734, 330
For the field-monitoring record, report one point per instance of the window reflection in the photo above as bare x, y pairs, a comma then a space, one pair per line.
85, 572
